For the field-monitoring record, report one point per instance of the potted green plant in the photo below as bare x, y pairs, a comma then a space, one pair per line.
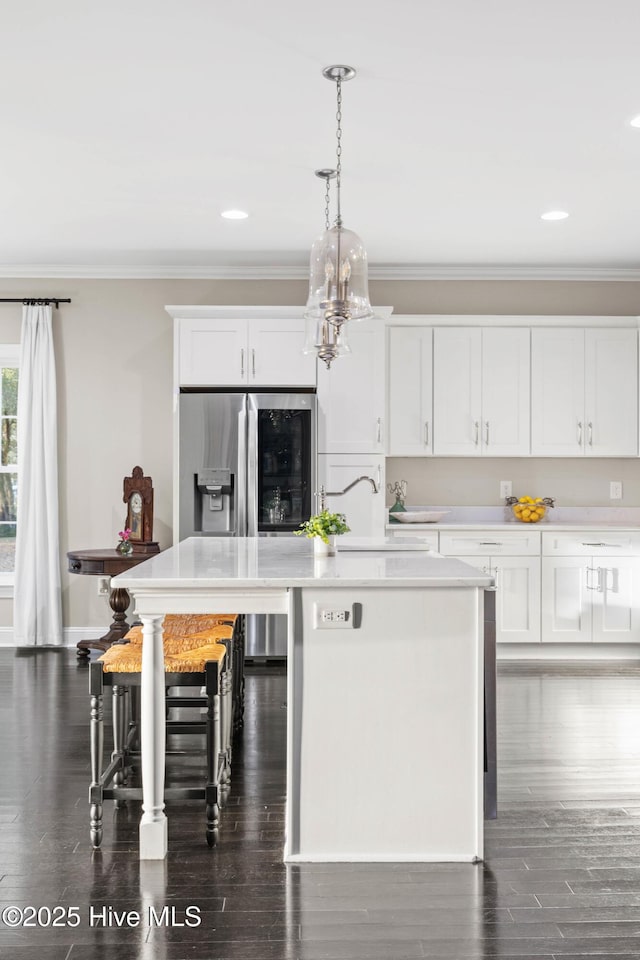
323, 528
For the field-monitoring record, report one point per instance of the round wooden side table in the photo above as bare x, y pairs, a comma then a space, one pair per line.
105, 563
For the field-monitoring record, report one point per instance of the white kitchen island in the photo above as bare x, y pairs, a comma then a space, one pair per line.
385, 690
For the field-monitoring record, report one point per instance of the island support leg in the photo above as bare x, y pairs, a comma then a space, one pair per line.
153, 825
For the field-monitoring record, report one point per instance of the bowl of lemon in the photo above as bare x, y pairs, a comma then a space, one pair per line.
529, 509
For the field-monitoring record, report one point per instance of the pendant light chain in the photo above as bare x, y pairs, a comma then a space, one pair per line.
338, 150
327, 223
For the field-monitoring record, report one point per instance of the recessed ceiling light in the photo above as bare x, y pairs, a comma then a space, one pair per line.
554, 215
635, 122
234, 214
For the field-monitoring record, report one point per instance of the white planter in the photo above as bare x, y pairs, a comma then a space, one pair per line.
322, 549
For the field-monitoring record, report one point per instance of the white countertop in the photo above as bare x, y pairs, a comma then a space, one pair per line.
500, 518
262, 562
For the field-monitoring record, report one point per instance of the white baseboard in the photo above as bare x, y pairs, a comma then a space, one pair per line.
568, 651
70, 635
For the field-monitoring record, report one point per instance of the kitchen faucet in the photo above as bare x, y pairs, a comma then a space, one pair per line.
338, 493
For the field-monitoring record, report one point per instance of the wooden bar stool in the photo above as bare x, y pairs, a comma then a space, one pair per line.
199, 659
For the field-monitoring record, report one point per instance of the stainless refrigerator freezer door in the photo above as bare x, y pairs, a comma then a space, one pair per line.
266, 636
281, 461
211, 438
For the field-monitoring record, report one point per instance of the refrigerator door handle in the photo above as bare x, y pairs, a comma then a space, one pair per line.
241, 491
252, 470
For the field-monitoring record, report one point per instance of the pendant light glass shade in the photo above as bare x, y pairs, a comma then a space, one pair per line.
326, 339
338, 277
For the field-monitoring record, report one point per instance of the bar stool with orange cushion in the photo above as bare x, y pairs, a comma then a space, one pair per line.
182, 631
198, 659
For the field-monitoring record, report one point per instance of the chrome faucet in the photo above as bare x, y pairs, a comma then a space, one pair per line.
339, 493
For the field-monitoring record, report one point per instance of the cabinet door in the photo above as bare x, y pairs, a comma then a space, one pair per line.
365, 510
517, 595
611, 393
351, 394
212, 353
557, 392
457, 391
505, 392
616, 601
410, 390
566, 600
275, 354
517, 599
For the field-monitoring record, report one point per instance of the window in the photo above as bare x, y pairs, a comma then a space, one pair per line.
8, 459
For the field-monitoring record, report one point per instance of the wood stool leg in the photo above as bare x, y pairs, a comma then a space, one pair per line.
118, 702
213, 751
97, 747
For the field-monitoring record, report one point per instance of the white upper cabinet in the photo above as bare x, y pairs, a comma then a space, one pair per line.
212, 353
481, 391
243, 351
611, 393
584, 396
275, 357
410, 391
351, 394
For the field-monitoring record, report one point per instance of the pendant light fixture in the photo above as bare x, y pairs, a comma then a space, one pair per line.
338, 282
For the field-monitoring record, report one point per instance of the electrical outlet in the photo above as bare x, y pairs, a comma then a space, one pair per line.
505, 489
104, 586
615, 490
331, 619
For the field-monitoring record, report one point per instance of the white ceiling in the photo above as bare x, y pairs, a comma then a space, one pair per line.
128, 126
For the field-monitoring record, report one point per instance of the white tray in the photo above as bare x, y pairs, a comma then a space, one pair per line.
419, 516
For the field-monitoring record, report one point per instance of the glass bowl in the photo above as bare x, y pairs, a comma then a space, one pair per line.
530, 509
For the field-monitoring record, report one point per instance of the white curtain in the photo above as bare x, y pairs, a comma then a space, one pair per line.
37, 615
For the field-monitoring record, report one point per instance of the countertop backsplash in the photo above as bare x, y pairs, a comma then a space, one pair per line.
472, 482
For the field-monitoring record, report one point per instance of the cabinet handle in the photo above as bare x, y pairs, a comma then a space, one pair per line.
426, 433
486, 433
612, 546
601, 585
477, 426
242, 361
590, 441
379, 477
379, 431
490, 543
253, 360
579, 433
589, 584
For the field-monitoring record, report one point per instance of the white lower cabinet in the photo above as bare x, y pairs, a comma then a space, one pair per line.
365, 510
512, 557
517, 596
591, 587
591, 599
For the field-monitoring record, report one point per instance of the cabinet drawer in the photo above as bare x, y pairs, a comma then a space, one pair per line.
496, 543
85, 566
592, 544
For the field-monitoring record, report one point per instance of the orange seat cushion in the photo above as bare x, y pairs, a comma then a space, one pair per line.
176, 642
127, 658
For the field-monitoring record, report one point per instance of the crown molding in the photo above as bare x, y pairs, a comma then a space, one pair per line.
379, 271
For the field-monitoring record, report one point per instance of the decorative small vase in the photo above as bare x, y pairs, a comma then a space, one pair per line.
398, 507
124, 548
322, 549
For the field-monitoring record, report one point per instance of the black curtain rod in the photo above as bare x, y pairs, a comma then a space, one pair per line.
32, 301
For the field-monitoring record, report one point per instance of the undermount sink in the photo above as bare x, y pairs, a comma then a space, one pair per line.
373, 545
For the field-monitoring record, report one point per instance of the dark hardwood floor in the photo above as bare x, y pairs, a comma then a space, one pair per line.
561, 877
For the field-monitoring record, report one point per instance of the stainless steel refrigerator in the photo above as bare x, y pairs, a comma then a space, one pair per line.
247, 467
